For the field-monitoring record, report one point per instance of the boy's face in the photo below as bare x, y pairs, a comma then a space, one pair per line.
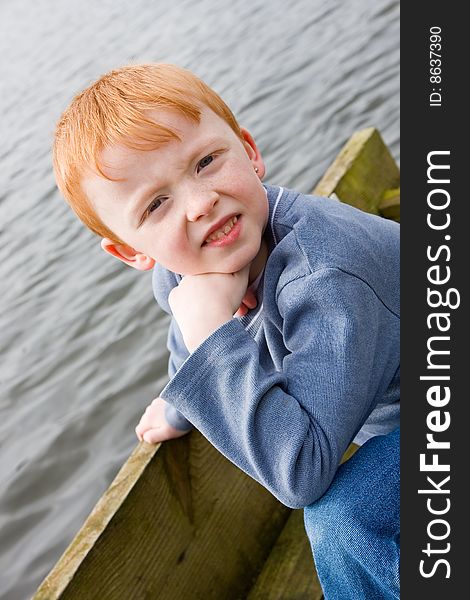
168, 201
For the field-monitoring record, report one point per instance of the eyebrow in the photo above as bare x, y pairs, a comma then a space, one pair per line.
142, 198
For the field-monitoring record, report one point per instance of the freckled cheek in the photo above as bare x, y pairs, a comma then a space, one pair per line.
234, 178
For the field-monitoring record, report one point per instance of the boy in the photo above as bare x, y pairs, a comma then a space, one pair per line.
284, 339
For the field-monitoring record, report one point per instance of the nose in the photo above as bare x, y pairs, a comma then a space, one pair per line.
200, 202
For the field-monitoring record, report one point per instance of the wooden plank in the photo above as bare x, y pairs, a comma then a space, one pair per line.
389, 206
362, 172
289, 572
179, 521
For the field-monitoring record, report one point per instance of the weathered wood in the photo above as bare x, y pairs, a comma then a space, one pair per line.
362, 172
179, 521
289, 572
389, 206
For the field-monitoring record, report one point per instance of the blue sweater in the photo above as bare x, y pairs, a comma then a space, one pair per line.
282, 391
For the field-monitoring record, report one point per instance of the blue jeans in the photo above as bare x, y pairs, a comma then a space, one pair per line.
354, 528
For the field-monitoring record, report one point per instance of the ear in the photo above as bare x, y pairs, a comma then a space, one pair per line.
253, 152
128, 255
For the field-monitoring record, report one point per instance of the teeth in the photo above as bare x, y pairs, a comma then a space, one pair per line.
224, 230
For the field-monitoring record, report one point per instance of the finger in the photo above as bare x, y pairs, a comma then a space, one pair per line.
250, 299
242, 311
143, 425
139, 432
153, 436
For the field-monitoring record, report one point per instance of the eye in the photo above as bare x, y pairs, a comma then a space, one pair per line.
152, 207
205, 162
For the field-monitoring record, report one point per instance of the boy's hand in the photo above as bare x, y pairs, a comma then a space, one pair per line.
202, 303
153, 426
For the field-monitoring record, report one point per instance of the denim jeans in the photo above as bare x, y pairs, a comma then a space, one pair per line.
354, 528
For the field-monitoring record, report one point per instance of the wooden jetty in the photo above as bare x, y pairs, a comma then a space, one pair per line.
179, 521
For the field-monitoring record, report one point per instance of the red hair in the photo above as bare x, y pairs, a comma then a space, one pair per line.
114, 110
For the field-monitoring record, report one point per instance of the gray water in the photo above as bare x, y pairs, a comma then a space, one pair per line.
82, 342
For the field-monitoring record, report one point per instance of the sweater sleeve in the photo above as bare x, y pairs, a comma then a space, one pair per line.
178, 354
288, 429
163, 281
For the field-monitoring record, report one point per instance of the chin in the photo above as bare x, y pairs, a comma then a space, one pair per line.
238, 264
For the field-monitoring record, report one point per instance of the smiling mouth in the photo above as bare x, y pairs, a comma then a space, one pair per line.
222, 231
